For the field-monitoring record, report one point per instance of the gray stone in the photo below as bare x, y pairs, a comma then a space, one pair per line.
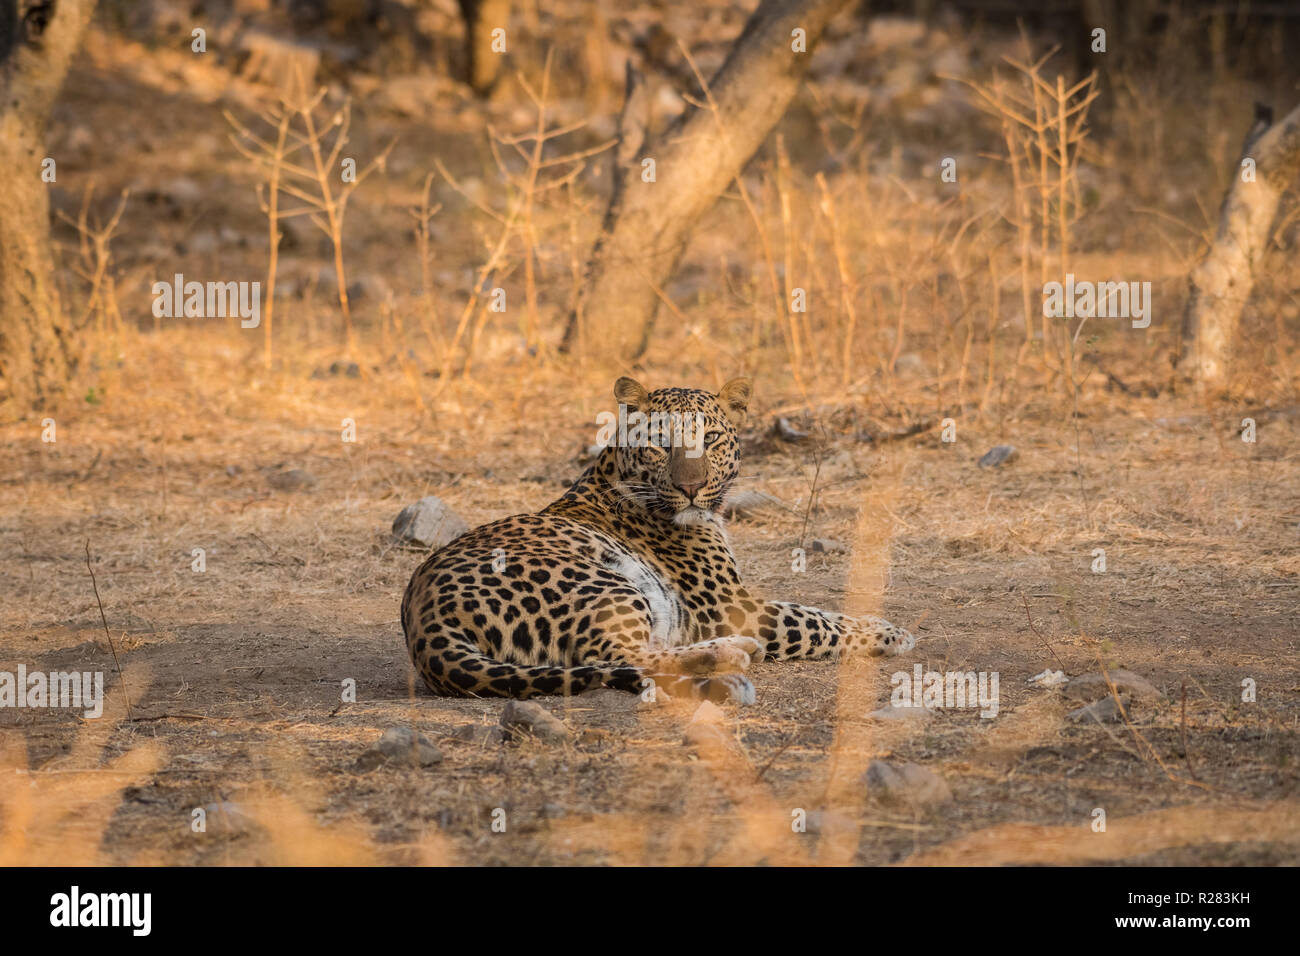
783, 430
428, 523
1093, 686
708, 713
905, 783
828, 546
403, 745
524, 717
749, 502
704, 732
704, 736
998, 455
1104, 711
295, 479
481, 734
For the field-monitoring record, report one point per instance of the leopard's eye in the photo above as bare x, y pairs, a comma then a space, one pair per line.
712, 438
656, 451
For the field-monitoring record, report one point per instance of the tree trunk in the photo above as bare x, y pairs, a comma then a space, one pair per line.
481, 62
1221, 284
648, 224
34, 337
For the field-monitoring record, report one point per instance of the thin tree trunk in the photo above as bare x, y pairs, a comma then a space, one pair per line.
648, 224
1222, 283
35, 341
482, 63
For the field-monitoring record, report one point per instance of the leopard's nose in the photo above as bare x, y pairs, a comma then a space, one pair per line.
689, 489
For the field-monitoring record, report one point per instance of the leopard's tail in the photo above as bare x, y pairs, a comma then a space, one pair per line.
452, 664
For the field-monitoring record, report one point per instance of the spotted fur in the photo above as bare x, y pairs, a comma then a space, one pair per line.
627, 578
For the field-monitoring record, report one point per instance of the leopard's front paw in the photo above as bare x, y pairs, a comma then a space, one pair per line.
749, 646
876, 637
726, 688
722, 654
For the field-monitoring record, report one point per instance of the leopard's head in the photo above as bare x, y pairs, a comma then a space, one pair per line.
679, 451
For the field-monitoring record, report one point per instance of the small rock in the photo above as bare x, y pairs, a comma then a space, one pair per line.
295, 479
233, 471
1049, 678
1104, 711
906, 783
428, 523
481, 734
523, 716
783, 430
705, 732
1093, 686
900, 713
708, 713
749, 502
350, 369
997, 455
828, 546
704, 736
401, 745
552, 811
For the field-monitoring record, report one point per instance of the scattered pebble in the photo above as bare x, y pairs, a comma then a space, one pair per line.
828, 546
704, 731
1049, 678
783, 430
428, 523
704, 737
748, 502
1104, 711
295, 479
997, 455
525, 717
708, 713
1093, 686
481, 734
401, 745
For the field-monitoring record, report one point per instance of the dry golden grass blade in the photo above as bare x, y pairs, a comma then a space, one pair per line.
1124, 838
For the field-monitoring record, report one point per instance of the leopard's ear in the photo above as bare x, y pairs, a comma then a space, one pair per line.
630, 392
734, 399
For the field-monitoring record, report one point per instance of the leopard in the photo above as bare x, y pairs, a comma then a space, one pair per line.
627, 581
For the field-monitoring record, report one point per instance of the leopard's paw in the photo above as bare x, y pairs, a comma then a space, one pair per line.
722, 654
736, 688
751, 647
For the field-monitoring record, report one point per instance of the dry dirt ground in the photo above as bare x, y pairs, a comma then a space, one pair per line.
235, 674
